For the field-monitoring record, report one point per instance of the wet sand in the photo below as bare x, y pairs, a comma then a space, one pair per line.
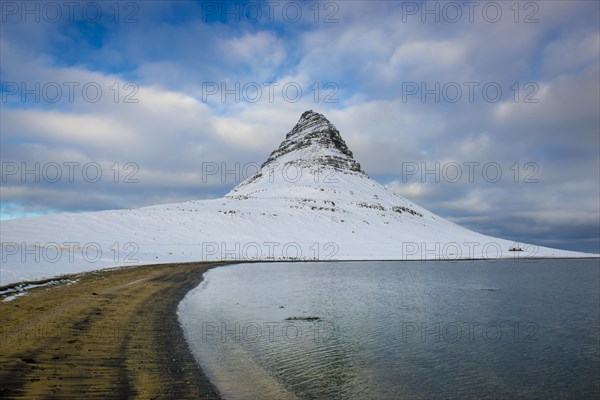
112, 334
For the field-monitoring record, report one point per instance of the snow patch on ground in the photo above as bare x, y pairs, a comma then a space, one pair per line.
13, 292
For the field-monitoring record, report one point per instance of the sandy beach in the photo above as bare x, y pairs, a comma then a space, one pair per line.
111, 334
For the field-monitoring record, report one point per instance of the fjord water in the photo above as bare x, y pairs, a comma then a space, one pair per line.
393, 330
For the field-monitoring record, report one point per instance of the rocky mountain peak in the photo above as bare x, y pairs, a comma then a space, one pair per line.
315, 142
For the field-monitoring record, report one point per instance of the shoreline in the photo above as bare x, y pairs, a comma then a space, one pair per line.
13, 285
111, 334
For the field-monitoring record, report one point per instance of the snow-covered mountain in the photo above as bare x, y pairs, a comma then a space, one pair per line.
309, 200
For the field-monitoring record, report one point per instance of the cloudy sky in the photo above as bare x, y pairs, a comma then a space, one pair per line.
483, 112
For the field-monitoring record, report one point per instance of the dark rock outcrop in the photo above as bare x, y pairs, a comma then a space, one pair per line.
322, 144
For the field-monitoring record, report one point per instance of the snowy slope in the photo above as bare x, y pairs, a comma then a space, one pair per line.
310, 200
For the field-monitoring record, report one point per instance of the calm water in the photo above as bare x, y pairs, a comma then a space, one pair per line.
393, 330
